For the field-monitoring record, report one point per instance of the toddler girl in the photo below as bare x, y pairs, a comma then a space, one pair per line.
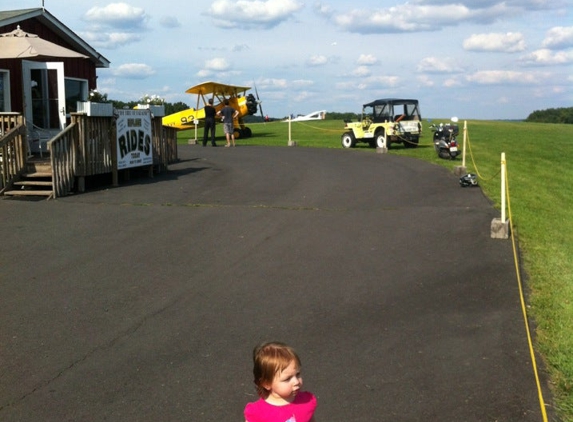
277, 377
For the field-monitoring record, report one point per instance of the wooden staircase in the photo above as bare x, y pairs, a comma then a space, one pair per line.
36, 181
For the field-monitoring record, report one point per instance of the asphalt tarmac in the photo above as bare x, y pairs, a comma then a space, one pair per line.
144, 302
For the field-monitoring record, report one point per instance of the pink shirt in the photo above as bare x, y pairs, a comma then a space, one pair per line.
300, 410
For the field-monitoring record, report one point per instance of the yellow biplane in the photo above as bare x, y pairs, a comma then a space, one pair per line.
238, 99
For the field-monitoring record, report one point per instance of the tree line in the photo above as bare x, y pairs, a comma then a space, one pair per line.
552, 115
170, 108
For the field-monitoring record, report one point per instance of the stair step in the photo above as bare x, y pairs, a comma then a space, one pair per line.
33, 183
37, 174
28, 193
39, 167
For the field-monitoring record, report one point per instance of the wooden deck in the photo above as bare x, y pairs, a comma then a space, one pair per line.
87, 147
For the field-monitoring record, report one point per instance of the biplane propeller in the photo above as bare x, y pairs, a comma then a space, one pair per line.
246, 104
259, 102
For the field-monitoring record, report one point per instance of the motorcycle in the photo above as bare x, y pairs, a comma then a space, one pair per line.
445, 142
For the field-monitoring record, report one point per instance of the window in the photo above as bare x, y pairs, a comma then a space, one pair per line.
76, 90
5, 91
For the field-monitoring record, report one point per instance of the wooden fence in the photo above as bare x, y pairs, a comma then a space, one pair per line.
13, 148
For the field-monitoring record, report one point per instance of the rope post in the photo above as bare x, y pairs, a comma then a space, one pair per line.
194, 141
464, 143
462, 170
291, 143
503, 186
500, 226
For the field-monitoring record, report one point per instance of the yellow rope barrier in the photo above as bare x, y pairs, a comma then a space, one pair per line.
474, 163
523, 306
317, 128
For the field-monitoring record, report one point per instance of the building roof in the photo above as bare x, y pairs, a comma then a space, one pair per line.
9, 17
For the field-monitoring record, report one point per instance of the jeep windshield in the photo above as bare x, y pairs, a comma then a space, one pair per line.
392, 109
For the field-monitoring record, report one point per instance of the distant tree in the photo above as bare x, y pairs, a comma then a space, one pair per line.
331, 115
123, 105
552, 115
170, 108
254, 118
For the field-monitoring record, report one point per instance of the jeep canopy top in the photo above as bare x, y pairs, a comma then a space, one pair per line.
390, 101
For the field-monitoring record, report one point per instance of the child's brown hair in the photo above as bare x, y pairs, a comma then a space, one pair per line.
269, 359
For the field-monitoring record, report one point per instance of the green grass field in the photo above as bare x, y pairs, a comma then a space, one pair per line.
539, 172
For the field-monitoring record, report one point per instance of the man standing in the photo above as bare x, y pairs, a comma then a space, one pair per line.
209, 123
228, 114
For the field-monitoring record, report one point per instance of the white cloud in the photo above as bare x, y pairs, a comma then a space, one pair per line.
255, 14
439, 65
117, 15
133, 71
345, 86
496, 77
317, 60
452, 83
367, 59
559, 37
323, 9
204, 73
546, 57
416, 17
218, 64
516, 4
273, 83
361, 71
302, 82
114, 25
509, 42
387, 81
110, 40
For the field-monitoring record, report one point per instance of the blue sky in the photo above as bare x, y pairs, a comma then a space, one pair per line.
476, 59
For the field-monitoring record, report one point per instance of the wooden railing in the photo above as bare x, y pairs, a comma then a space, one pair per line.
164, 144
64, 159
94, 150
13, 148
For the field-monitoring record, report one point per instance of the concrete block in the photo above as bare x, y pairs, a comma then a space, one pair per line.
499, 229
460, 170
381, 150
292, 143
192, 141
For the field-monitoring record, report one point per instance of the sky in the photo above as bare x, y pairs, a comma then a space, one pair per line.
474, 59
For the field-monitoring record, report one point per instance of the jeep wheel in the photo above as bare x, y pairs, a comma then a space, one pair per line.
381, 140
348, 140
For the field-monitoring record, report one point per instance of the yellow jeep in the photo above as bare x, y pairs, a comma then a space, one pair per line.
384, 122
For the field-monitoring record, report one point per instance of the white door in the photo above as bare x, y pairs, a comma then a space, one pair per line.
44, 94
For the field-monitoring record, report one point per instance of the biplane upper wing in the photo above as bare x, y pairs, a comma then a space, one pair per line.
217, 89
